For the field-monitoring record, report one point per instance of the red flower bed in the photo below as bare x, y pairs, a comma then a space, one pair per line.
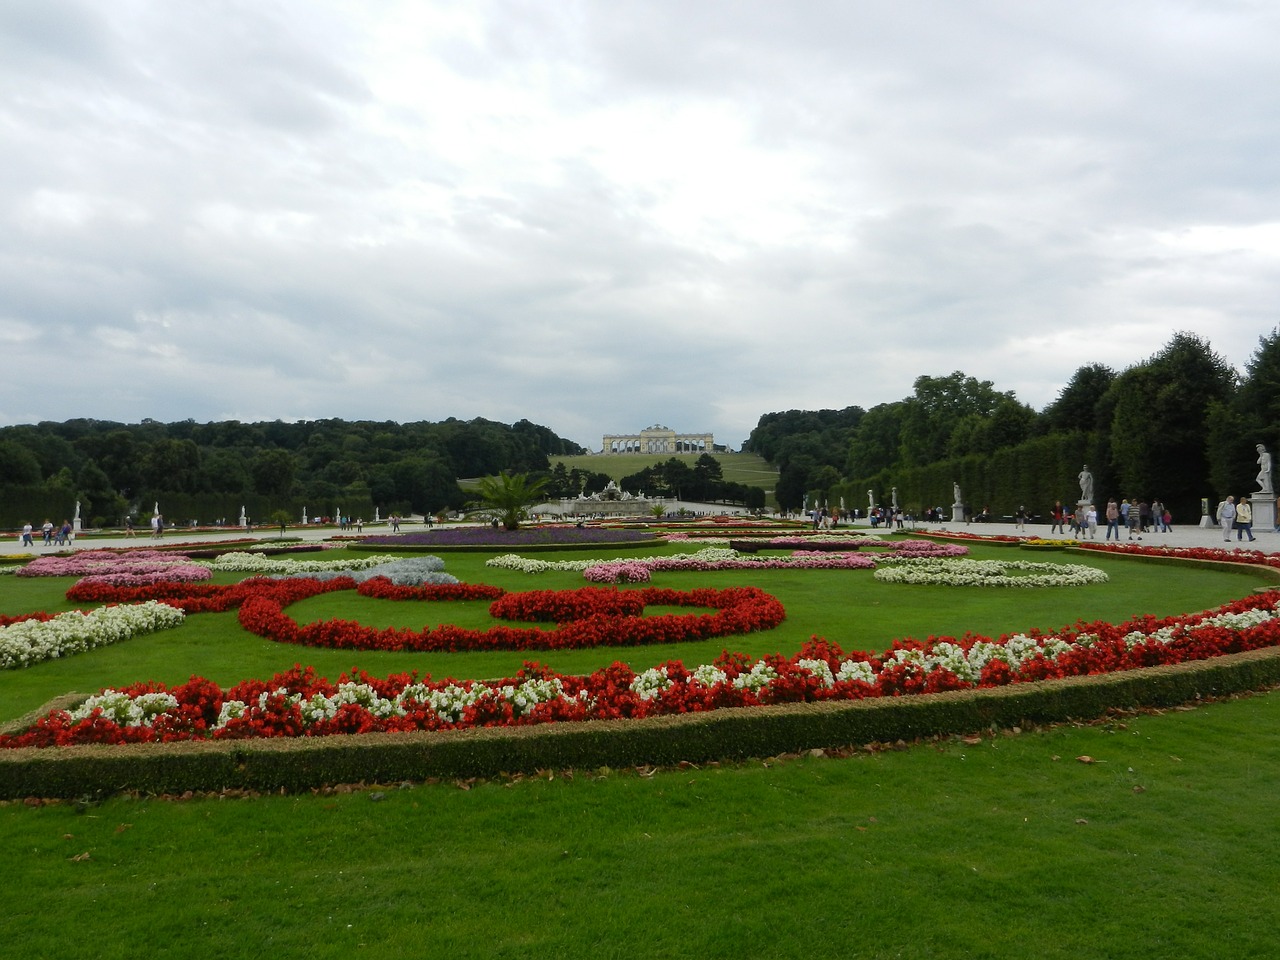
382, 588
587, 617
1256, 557
298, 703
6, 621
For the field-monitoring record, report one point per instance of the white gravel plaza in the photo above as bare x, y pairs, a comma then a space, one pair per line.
1182, 535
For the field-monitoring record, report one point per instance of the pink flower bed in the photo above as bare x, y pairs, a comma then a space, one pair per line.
131, 568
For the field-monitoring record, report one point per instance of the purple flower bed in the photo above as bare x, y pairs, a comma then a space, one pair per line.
524, 537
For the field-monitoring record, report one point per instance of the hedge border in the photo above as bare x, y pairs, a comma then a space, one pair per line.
300, 764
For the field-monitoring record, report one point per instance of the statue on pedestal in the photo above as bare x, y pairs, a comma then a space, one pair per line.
1264, 470
1086, 485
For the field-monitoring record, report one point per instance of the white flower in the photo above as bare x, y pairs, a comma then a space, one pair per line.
856, 670
760, 676
31, 641
985, 573
820, 669
708, 675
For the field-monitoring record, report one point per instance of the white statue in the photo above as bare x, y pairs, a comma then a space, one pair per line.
304, 516
871, 501
155, 511
895, 499
1086, 485
1264, 469
955, 493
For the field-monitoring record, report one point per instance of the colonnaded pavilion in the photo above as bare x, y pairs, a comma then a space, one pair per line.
658, 439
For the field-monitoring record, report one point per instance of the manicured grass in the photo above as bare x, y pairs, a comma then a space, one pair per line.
1007, 848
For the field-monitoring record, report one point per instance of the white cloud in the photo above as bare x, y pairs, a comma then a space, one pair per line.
598, 216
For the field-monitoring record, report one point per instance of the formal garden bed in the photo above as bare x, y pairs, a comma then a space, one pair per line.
821, 673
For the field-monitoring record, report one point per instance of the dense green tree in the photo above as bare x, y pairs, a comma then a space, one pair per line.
1252, 416
820, 435
1008, 425
172, 465
98, 496
707, 479
874, 447
18, 465
332, 459
273, 473
1077, 406
793, 484
1158, 425
934, 410
226, 471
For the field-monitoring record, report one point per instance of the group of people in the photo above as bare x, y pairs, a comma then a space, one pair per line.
1236, 515
62, 536
1137, 517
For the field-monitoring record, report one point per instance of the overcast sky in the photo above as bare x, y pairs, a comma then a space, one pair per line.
604, 214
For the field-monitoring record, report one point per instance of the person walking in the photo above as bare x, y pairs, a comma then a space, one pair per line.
1059, 516
1244, 520
1020, 518
1227, 517
1081, 521
1113, 519
1135, 521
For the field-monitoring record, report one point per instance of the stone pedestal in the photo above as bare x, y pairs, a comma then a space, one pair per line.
957, 512
1264, 514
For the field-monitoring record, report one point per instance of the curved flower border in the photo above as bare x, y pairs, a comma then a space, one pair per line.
587, 617
42, 637
298, 703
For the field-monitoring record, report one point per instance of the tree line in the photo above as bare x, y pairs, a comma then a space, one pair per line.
207, 471
1180, 426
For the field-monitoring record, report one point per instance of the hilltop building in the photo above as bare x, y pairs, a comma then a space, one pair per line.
658, 439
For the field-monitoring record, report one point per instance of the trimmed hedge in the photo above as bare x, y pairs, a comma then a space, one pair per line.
305, 763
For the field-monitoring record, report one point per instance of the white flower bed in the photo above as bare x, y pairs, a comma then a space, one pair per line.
985, 573
449, 703
241, 562
32, 641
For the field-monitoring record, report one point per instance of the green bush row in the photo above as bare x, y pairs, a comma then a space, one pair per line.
301, 764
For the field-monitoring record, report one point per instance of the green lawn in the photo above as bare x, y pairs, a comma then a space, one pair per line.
1008, 847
